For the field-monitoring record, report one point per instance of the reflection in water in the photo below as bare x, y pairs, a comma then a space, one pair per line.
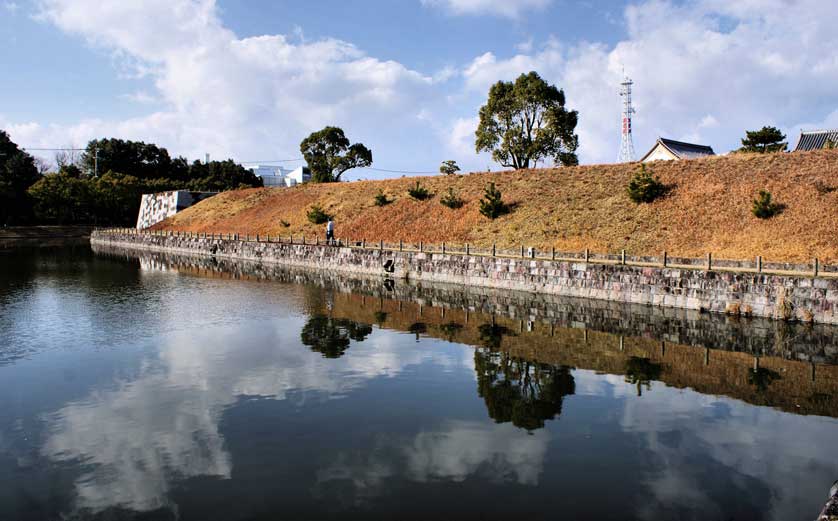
641, 371
457, 451
330, 336
520, 391
761, 377
243, 399
491, 335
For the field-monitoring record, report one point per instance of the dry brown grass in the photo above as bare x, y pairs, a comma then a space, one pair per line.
707, 210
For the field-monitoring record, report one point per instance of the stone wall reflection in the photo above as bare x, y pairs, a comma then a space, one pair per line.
709, 353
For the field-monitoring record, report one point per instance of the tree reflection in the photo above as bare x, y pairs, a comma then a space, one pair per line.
641, 371
451, 329
330, 336
418, 328
520, 391
761, 378
491, 335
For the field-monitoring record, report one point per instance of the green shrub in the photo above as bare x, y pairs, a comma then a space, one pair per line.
418, 192
764, 207
451, 200
644, 188
492, 205
316, 215
381, 199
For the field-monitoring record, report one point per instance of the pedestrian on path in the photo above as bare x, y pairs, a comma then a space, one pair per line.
330, 231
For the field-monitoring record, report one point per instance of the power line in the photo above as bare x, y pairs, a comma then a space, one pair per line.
51, 149
271, 161
396, 171
263, 162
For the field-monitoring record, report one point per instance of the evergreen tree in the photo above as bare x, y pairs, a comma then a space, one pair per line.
492, 205
766, 139
17, 173
525, 122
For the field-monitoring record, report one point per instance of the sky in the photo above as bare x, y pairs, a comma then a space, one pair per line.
248, 80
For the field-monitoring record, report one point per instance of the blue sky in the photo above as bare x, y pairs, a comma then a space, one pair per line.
249, 79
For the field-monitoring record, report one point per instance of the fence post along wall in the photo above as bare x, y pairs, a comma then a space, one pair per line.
805, 292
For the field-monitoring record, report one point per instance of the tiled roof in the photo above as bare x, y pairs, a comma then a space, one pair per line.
816, 139
683, 150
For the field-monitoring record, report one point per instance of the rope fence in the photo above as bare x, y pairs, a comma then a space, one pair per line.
708, 263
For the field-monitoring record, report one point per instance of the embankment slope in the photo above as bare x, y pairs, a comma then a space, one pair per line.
708, 209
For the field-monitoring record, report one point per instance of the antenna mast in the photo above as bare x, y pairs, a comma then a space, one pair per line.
626, 143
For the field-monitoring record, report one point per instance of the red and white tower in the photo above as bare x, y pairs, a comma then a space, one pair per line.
626, 144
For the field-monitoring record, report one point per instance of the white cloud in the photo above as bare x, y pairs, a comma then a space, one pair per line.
11, 7
142, 97
704, 70
504, 8
232, 96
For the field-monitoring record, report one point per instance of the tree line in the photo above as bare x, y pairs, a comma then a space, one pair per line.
104, 186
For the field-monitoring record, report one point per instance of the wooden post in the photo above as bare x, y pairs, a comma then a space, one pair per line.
443, 247
421, 246
759, 263
363, 243
709, 261
494, 250
532, 253
815, 267
706, 356
622, 343
553, 253
587, 254
401, 246
664, 259
522, 250
623, 257
380, 244
468, 250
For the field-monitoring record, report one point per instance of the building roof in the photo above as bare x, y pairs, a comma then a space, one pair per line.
682, 150
815, 139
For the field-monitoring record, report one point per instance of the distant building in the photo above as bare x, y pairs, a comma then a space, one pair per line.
279, 176
669, 149
816, 139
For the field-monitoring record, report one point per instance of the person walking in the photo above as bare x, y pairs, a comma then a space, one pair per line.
330, 231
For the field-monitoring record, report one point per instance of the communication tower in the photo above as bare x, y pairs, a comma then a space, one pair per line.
626, 143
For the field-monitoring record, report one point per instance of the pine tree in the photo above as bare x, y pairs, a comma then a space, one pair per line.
492, 205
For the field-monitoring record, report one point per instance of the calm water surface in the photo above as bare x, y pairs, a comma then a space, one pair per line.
136, 390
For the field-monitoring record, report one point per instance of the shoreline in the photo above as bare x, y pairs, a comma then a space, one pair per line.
787, 297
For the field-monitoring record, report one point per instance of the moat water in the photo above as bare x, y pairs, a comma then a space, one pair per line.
136, 386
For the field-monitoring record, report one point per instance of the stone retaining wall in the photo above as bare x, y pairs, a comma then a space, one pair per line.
807, 299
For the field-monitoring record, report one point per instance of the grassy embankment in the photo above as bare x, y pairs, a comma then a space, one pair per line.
708, 209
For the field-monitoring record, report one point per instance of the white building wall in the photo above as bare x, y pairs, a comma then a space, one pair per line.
660, 153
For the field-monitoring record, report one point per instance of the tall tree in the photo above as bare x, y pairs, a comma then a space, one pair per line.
766, 139
17, 173
329, 154
134, 158
525, 122
221, 175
